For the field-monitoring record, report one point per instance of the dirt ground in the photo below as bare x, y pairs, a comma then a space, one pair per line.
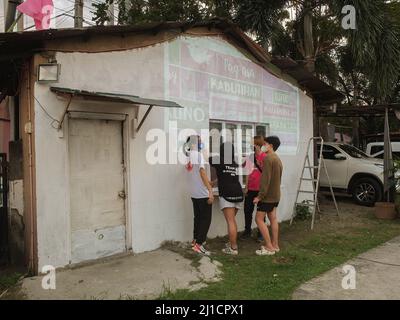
128, 277
351, 216
353, 220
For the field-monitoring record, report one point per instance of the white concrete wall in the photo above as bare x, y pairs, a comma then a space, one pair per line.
16, 199
159, 207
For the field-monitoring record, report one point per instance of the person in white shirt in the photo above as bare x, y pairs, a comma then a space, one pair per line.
201, 193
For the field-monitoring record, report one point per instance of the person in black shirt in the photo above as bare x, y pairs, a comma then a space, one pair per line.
230, 191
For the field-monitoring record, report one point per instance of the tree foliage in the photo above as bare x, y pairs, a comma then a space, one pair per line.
363, 63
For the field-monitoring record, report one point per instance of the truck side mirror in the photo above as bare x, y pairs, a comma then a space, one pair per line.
340, 156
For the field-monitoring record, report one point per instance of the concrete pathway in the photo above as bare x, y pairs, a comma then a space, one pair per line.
377, 278
142, 276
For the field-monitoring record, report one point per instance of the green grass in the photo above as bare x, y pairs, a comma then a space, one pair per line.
305, 254
8, 279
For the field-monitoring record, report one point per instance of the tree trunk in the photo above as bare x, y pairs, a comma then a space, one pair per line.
309, 50
356, 132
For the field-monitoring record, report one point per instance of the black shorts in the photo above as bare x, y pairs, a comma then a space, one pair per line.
267, 207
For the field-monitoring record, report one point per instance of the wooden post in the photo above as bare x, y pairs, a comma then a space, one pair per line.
388, 171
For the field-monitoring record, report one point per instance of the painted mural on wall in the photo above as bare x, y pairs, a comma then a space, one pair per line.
213, 80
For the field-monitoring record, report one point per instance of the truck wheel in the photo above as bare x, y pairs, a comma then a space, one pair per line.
366, 191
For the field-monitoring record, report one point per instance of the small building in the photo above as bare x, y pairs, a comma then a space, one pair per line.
99, 116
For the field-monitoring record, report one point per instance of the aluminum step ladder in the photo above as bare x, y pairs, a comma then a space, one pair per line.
315, 182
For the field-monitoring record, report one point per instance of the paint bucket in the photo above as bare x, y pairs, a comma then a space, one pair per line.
385, 210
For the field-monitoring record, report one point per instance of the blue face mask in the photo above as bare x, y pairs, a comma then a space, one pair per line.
200, 146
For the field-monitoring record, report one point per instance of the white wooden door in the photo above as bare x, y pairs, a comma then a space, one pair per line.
97, 189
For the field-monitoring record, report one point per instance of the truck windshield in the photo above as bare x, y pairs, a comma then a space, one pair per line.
353, 151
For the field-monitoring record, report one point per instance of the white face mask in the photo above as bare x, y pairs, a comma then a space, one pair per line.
264, 149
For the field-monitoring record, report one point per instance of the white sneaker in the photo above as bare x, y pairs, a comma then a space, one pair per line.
204, 250
200, 249
230, 251
264, 252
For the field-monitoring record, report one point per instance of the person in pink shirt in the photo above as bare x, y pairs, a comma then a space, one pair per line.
254, 168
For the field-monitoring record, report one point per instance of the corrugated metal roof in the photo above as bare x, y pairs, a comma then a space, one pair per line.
115, 97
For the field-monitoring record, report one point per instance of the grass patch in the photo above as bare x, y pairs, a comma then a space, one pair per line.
8, 280
305, 254
184, 250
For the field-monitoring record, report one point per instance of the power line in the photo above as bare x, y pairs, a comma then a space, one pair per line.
57, 16
99, 2
92, 8
48, 114
83, 20
85, 6
86, 19
63, 10
61, 21
67, 15
66, 10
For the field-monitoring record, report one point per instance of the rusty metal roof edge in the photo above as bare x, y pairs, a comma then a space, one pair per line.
49, 34
116, 97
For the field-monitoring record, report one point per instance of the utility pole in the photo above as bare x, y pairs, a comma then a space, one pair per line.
9, 14
78, 19
3, 27
111, 14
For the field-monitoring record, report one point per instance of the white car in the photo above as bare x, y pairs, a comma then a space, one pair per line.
352, 170
375, 150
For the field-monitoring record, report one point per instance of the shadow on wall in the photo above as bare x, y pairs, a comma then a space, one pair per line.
16, 238
16, 213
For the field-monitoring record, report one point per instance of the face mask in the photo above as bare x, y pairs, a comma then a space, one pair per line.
264, 149
200, 146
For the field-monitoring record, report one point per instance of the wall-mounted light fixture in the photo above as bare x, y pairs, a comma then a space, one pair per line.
48, 72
